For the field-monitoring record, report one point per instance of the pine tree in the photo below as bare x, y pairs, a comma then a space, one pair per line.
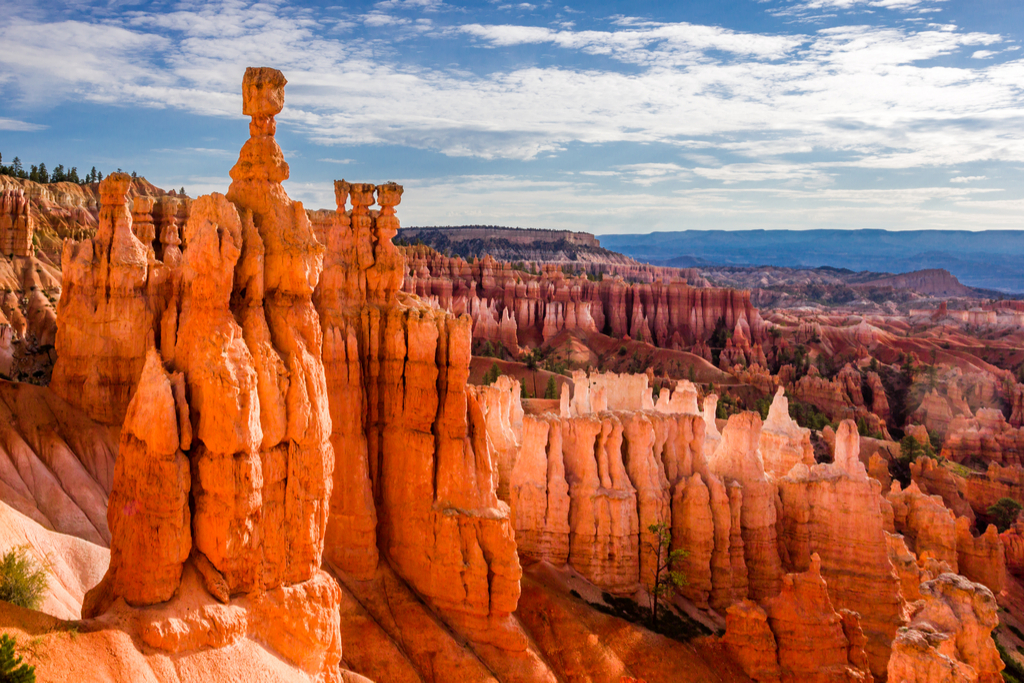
33, 174
73, 175
551, 390
11, 668
92, 175
16, 167
44, 177
492, 375
99, 177
182, 190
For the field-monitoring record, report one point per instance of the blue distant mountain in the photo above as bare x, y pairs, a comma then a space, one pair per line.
991, 259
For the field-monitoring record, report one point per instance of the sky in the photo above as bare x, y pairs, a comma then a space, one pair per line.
608, 117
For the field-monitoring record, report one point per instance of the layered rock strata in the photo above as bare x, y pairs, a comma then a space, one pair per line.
511, 305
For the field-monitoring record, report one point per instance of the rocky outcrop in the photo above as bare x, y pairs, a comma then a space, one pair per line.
981, 559
798, 636
984, 490
836, 511
987, 438
783, 443
934, 479
737, 460
418, 484
750, 641
950, 635
926, 523
155, 436
540, 493
604, 542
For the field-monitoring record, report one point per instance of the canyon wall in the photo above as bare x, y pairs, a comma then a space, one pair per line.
532, 308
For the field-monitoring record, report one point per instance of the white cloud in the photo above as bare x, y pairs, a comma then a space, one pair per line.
984, 54
338, 161
20, 126
812, 10
967, 178
861, 96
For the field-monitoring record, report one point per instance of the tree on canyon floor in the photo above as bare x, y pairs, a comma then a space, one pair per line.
666, 578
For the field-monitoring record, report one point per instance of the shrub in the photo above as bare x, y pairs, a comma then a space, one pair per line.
11, 668
1004, 513
22, 580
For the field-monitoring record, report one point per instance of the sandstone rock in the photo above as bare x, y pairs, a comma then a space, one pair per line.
16, 224
540, 494
109, 304
693, 529
150, 496
511, 306
751, 642
237, 322
835, 511
653, 496
934, 479
949, 636
812, 642
981, 559
604, 542
783, 443
926, 523
737, 459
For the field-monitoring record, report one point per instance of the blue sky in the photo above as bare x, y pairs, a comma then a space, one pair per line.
598, 116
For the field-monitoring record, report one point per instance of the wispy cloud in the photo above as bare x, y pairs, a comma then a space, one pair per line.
814, 10
20, 126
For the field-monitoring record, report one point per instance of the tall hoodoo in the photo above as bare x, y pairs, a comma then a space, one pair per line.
415, 477
109, 302
237, 438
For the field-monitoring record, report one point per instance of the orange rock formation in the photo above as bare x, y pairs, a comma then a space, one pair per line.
519, 308
226, 461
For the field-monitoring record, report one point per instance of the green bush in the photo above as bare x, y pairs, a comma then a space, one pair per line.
1004, 513
551, 390
22, 580
11, 668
